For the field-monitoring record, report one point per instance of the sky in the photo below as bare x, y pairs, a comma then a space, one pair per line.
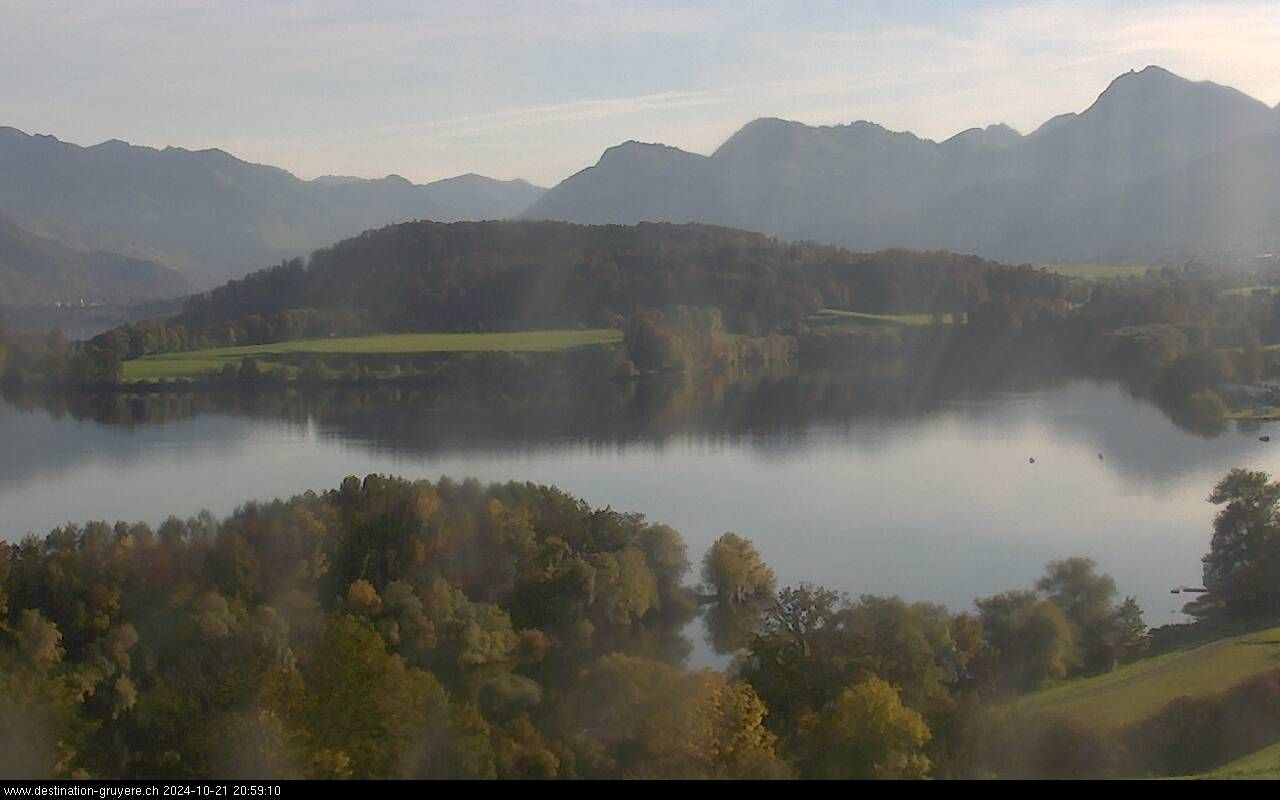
538, 90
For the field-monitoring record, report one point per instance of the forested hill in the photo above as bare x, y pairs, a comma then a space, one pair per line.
496, 275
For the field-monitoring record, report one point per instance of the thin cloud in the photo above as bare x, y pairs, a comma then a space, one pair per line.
539, 89
470, 124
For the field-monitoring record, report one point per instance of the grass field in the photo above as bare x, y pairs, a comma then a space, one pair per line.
832, 318
1262, 414
1262, 765
1248, 290
200, 362
1134, 692
1098, 272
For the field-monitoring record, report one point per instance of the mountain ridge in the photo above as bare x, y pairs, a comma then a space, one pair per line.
38, 271
210, 214
1065, 191
1124, 178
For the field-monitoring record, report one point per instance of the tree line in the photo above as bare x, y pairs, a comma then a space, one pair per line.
390, 628
489, 276
393, 629
692, 295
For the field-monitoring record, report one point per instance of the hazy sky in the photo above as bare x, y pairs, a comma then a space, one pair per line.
539, 89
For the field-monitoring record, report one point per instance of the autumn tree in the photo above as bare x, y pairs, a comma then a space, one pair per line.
1104, 628
40, 729
866, 732
1033, 640
365, 714
652, 344
1242, 567
653, 720
734, 570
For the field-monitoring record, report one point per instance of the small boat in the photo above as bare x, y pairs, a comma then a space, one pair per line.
1264, 438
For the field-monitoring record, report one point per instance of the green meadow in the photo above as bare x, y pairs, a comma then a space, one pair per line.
1248, 290
832, 318
1136, 691
1098, 272
1262, 765
201, 362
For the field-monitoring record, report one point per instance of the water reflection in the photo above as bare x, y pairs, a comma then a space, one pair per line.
729, 626
863, 485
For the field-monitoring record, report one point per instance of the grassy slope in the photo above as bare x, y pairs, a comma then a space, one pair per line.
1098, 271
1264, 413
1262, 765
1137, 690
198, 362
832, 319
1248, 290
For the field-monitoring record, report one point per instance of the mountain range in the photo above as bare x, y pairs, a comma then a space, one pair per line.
1157, 168
35, 270
208, 214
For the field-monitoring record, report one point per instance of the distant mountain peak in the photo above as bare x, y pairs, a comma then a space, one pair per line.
336, 180
1157, 71
520, 186
113, 145
1081, 184
772, 138
1154, 84
208, 213
764, 133
866, 124
637, 145
996, 136
1055, 122
634, 150
1144, 79
765, 123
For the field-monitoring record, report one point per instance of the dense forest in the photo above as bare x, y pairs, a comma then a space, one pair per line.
389, 628
508, 276
491, 275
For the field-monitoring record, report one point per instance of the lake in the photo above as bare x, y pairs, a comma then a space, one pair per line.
940, 504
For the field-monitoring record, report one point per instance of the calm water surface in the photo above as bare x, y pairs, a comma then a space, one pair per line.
944, 506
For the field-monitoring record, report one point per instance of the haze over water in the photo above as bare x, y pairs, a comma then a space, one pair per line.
941, 507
